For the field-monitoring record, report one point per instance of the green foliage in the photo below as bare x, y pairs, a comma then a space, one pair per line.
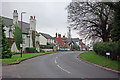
115, 32
30, 50
103, 47
46, 46
6, 52
17, 36
101, 60
33, 38
75, 47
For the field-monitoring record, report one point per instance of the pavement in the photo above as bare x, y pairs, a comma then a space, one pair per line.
57, 65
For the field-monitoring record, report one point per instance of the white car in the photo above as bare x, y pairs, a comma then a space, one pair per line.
83, 49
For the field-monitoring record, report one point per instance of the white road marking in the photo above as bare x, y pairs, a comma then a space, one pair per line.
55, 61
63, 69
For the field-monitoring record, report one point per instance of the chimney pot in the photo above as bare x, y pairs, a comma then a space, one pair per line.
34, 17
56, 35
15, 11
31, 17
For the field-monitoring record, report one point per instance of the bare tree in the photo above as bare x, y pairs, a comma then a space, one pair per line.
92, 19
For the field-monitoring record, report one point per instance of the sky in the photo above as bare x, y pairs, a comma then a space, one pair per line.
51, 16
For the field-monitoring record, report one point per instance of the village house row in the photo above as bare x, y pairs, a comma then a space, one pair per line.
40, 38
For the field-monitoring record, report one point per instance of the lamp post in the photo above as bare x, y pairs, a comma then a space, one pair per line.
21, 32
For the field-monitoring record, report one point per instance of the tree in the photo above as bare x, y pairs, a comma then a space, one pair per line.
75, 47
93, 20
17, 36
115, 32
6, 52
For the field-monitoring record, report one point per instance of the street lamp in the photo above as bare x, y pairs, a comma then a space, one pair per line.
21, 32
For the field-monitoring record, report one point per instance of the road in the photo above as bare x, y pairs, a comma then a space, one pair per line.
57, 65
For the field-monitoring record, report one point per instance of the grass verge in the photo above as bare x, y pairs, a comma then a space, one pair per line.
17, 58
92, 57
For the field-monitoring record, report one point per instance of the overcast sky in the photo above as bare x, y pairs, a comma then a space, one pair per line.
51, 17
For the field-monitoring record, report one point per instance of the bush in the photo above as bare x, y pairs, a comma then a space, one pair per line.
30, 50
6, 52
46, 46
17, 36
103, 47
75, 47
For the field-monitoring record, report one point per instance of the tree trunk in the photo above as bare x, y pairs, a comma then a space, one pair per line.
105, 38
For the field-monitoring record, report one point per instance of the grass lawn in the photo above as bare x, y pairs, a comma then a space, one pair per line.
17, 58
101, 60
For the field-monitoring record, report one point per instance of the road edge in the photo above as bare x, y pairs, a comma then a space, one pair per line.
25, 60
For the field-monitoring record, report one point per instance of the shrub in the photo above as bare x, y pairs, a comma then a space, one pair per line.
6, 52
102, 48
30, 50
46, 46
75, 47
17, 36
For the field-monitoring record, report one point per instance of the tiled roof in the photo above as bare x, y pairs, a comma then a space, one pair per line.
47, 36
25, 26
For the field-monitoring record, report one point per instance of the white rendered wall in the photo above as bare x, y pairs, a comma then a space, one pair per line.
42, 40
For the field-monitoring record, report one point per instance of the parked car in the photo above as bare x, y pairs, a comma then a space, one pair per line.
83, 49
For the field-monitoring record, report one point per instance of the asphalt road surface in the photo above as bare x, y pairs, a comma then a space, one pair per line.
57, 65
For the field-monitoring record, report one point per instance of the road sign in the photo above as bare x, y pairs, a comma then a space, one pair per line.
107, 54
21, 45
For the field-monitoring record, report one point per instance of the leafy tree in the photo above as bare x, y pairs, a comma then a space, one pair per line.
6, 52
93, 20
115, 32
75, 47
17, 36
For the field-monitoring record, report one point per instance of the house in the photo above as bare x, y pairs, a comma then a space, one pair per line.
60, 42
30, 39
46, 39
68, 42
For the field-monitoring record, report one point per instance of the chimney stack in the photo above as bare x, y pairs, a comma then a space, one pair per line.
59, 36
56, 35
31, 17
32, 23
34, 17
15, 17
80, 40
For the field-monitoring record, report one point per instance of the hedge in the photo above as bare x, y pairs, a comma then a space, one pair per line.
113, 48
30, 50
46, 46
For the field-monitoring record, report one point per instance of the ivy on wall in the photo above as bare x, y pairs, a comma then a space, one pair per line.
33, 38
17, 36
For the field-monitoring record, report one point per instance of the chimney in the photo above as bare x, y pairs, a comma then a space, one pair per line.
80, 40
59, 36
15, 17
32, 23
34, 17
56, 35
31, 17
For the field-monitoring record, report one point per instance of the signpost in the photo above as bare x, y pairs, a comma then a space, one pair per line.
108, 54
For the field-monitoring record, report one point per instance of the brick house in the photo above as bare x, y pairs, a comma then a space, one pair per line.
60, 42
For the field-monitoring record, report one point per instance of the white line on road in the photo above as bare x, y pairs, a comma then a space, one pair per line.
55, 61
63, 69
